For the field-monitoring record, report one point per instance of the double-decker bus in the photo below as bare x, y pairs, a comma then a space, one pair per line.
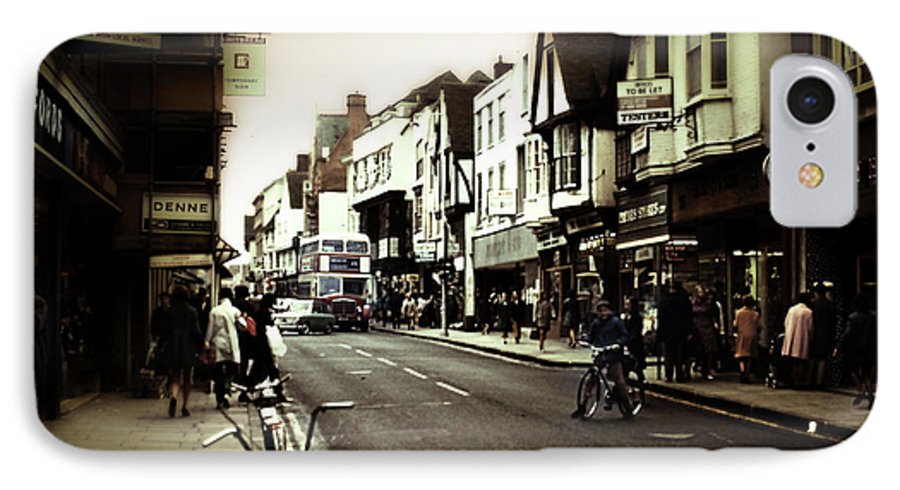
336, 269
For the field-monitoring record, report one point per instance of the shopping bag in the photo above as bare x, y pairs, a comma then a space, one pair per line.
276, 342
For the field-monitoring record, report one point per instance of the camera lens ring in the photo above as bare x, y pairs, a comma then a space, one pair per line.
810, 100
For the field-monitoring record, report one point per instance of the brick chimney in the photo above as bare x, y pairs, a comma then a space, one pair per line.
356, 109
303, 163
500, 67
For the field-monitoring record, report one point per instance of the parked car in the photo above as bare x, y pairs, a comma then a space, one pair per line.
303, 316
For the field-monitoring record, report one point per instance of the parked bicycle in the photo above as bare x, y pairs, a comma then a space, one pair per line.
269, 406
265, 397
596, 388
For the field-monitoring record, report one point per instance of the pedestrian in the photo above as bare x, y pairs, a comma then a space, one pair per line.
747, 327
200, 302
673, 327
181, 341
410, 311
823, 338
704, 319
395, 308
222, 337
798, 331
160, 324
421, 303
517, 312
504, 316
859, 347
483, 312
634, 322
571, 317
543, 314
264, 366
242, 303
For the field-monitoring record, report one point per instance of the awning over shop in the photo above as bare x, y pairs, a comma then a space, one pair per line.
224, 252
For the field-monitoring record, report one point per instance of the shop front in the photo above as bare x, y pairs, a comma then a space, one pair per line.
557, 274
653, 253
741, 250
77, 157
507, 261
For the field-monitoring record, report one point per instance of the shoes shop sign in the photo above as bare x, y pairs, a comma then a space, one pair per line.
177, 213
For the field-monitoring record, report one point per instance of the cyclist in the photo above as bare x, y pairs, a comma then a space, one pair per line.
608, 330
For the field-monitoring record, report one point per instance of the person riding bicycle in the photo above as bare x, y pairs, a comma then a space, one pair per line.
607, 330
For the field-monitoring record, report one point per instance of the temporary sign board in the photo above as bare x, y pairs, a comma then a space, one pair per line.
644, 101
245, 65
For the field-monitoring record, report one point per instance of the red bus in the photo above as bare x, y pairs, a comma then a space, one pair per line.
336, 269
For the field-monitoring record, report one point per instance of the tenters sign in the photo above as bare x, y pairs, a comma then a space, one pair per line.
644, 101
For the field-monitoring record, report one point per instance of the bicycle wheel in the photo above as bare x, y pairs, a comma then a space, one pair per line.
591, 399
635, 383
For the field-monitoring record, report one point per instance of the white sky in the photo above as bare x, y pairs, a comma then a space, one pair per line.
310, 73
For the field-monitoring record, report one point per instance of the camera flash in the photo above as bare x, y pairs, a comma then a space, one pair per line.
811, 175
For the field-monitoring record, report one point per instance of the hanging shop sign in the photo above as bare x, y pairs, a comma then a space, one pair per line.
426, 252
644, 101
640, 139
502, 202
177, 213
245, 65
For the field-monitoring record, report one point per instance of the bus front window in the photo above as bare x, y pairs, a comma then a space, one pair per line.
355, 287
329, 285
357, 247
332, 245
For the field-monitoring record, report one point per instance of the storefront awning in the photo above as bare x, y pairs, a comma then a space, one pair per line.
225, 252
643, 241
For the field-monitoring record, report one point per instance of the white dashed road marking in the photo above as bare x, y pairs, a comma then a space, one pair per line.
452, 388
363, 353
415, 373
348, 347
387, 361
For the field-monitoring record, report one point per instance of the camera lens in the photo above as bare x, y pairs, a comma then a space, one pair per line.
810, 100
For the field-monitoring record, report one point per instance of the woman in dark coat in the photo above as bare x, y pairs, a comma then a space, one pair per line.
859, 346
180, 340
504, 315
634, 322
705, 327
571, 317
263, 359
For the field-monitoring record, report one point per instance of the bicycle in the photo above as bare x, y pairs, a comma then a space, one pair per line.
601, 388
269, 406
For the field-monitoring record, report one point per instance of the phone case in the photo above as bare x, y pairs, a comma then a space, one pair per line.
334, 241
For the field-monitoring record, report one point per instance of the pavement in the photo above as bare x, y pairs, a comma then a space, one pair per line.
827, 412
119, 421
